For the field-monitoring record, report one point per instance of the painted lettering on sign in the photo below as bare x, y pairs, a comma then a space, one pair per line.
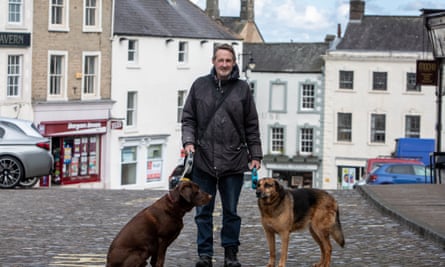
15, 39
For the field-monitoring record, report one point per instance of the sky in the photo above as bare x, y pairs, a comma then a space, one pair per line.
312, 20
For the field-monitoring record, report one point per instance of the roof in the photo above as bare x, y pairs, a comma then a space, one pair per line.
166, 18
386, 33
246, 29
286, 57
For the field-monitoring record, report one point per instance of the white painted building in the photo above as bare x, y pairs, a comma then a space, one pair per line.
15, 54
156, 58
371, 97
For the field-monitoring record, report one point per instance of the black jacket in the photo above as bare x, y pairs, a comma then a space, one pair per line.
232, 136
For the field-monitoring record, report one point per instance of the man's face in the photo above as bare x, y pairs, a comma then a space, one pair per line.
223, 63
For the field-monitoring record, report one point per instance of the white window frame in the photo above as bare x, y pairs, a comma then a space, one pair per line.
410, 132
182, 95
380, 81
346, 79
64, 25
130, 162
183, 52
275, 138
19, 12
307, 96
97, 27
87, 75
374, 131
306, 146
131, 111
64, 73
154, 160
133, 51
14, 72
343, 129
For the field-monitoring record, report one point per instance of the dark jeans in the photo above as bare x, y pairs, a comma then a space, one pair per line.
229, 188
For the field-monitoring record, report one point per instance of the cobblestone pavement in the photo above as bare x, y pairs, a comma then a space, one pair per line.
74, 227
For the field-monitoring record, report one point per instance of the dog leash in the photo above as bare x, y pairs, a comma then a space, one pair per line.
188, 166
254, 178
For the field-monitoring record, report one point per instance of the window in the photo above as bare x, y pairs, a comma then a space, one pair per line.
128, 165
252, 88
131, 108
90, 88
277, 101
58, 15
15, 11
277, 140
379, 81
412, 126
344, 127
92, 18
14, 80
378, 128
56, 75
182, 53
346, 80
154, 163
306, 140
132, 51
411, 83
181, 102
307, 97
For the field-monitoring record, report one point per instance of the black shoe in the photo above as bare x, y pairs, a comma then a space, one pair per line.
230, 259
204, 261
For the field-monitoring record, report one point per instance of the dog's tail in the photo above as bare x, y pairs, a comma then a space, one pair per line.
337, 232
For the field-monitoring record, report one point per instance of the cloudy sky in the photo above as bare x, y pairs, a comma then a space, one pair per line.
311, 20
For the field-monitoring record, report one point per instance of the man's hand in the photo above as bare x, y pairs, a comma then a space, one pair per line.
255, 164
189, 148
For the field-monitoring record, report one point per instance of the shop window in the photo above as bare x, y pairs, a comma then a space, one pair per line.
128, 165
154, 163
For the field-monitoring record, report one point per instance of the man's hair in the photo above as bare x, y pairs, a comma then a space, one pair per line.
224, 47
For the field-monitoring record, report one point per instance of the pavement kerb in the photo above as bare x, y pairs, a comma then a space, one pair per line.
414, 225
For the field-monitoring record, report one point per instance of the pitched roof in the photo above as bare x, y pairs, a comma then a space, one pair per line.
386, 33
166, 18
286, 57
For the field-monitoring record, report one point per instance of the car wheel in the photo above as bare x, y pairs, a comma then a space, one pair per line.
29, 182
11, 172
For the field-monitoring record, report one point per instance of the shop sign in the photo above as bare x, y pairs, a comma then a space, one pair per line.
427, 72
116, 124
15, 39
73, 128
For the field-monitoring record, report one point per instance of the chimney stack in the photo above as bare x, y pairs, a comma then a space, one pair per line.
212, 9
356, 10
247, 10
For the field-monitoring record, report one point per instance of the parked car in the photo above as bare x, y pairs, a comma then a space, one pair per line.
400, 173
25, 126
372, 163
22, 157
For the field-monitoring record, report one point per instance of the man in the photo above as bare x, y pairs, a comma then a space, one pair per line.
220, 125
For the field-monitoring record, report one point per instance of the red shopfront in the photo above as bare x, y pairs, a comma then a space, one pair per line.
76, 147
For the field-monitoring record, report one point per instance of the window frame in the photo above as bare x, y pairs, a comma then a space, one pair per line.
277, 140
14, 79
131, 111
380, 81
63, 80
182, 95
133, 51
411, 83
132, 163
97, 26
15, 13
346, 79
378, 134
344, 127
412, 128
306, 145
64, 13
307, 96
87, 75
183, 52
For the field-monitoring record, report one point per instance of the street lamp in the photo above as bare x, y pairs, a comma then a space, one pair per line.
434, 20
250, 64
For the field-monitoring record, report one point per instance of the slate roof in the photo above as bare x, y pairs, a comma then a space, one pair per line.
286, 57
167, 18
386, 33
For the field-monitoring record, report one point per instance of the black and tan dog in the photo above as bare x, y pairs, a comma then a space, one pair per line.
152, 230
286, 210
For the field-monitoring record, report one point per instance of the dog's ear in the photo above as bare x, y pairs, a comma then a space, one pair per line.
186, 191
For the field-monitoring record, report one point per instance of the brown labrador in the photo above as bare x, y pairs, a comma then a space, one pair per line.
153, 229
287, 210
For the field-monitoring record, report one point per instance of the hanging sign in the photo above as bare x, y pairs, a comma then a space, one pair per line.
427, 72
